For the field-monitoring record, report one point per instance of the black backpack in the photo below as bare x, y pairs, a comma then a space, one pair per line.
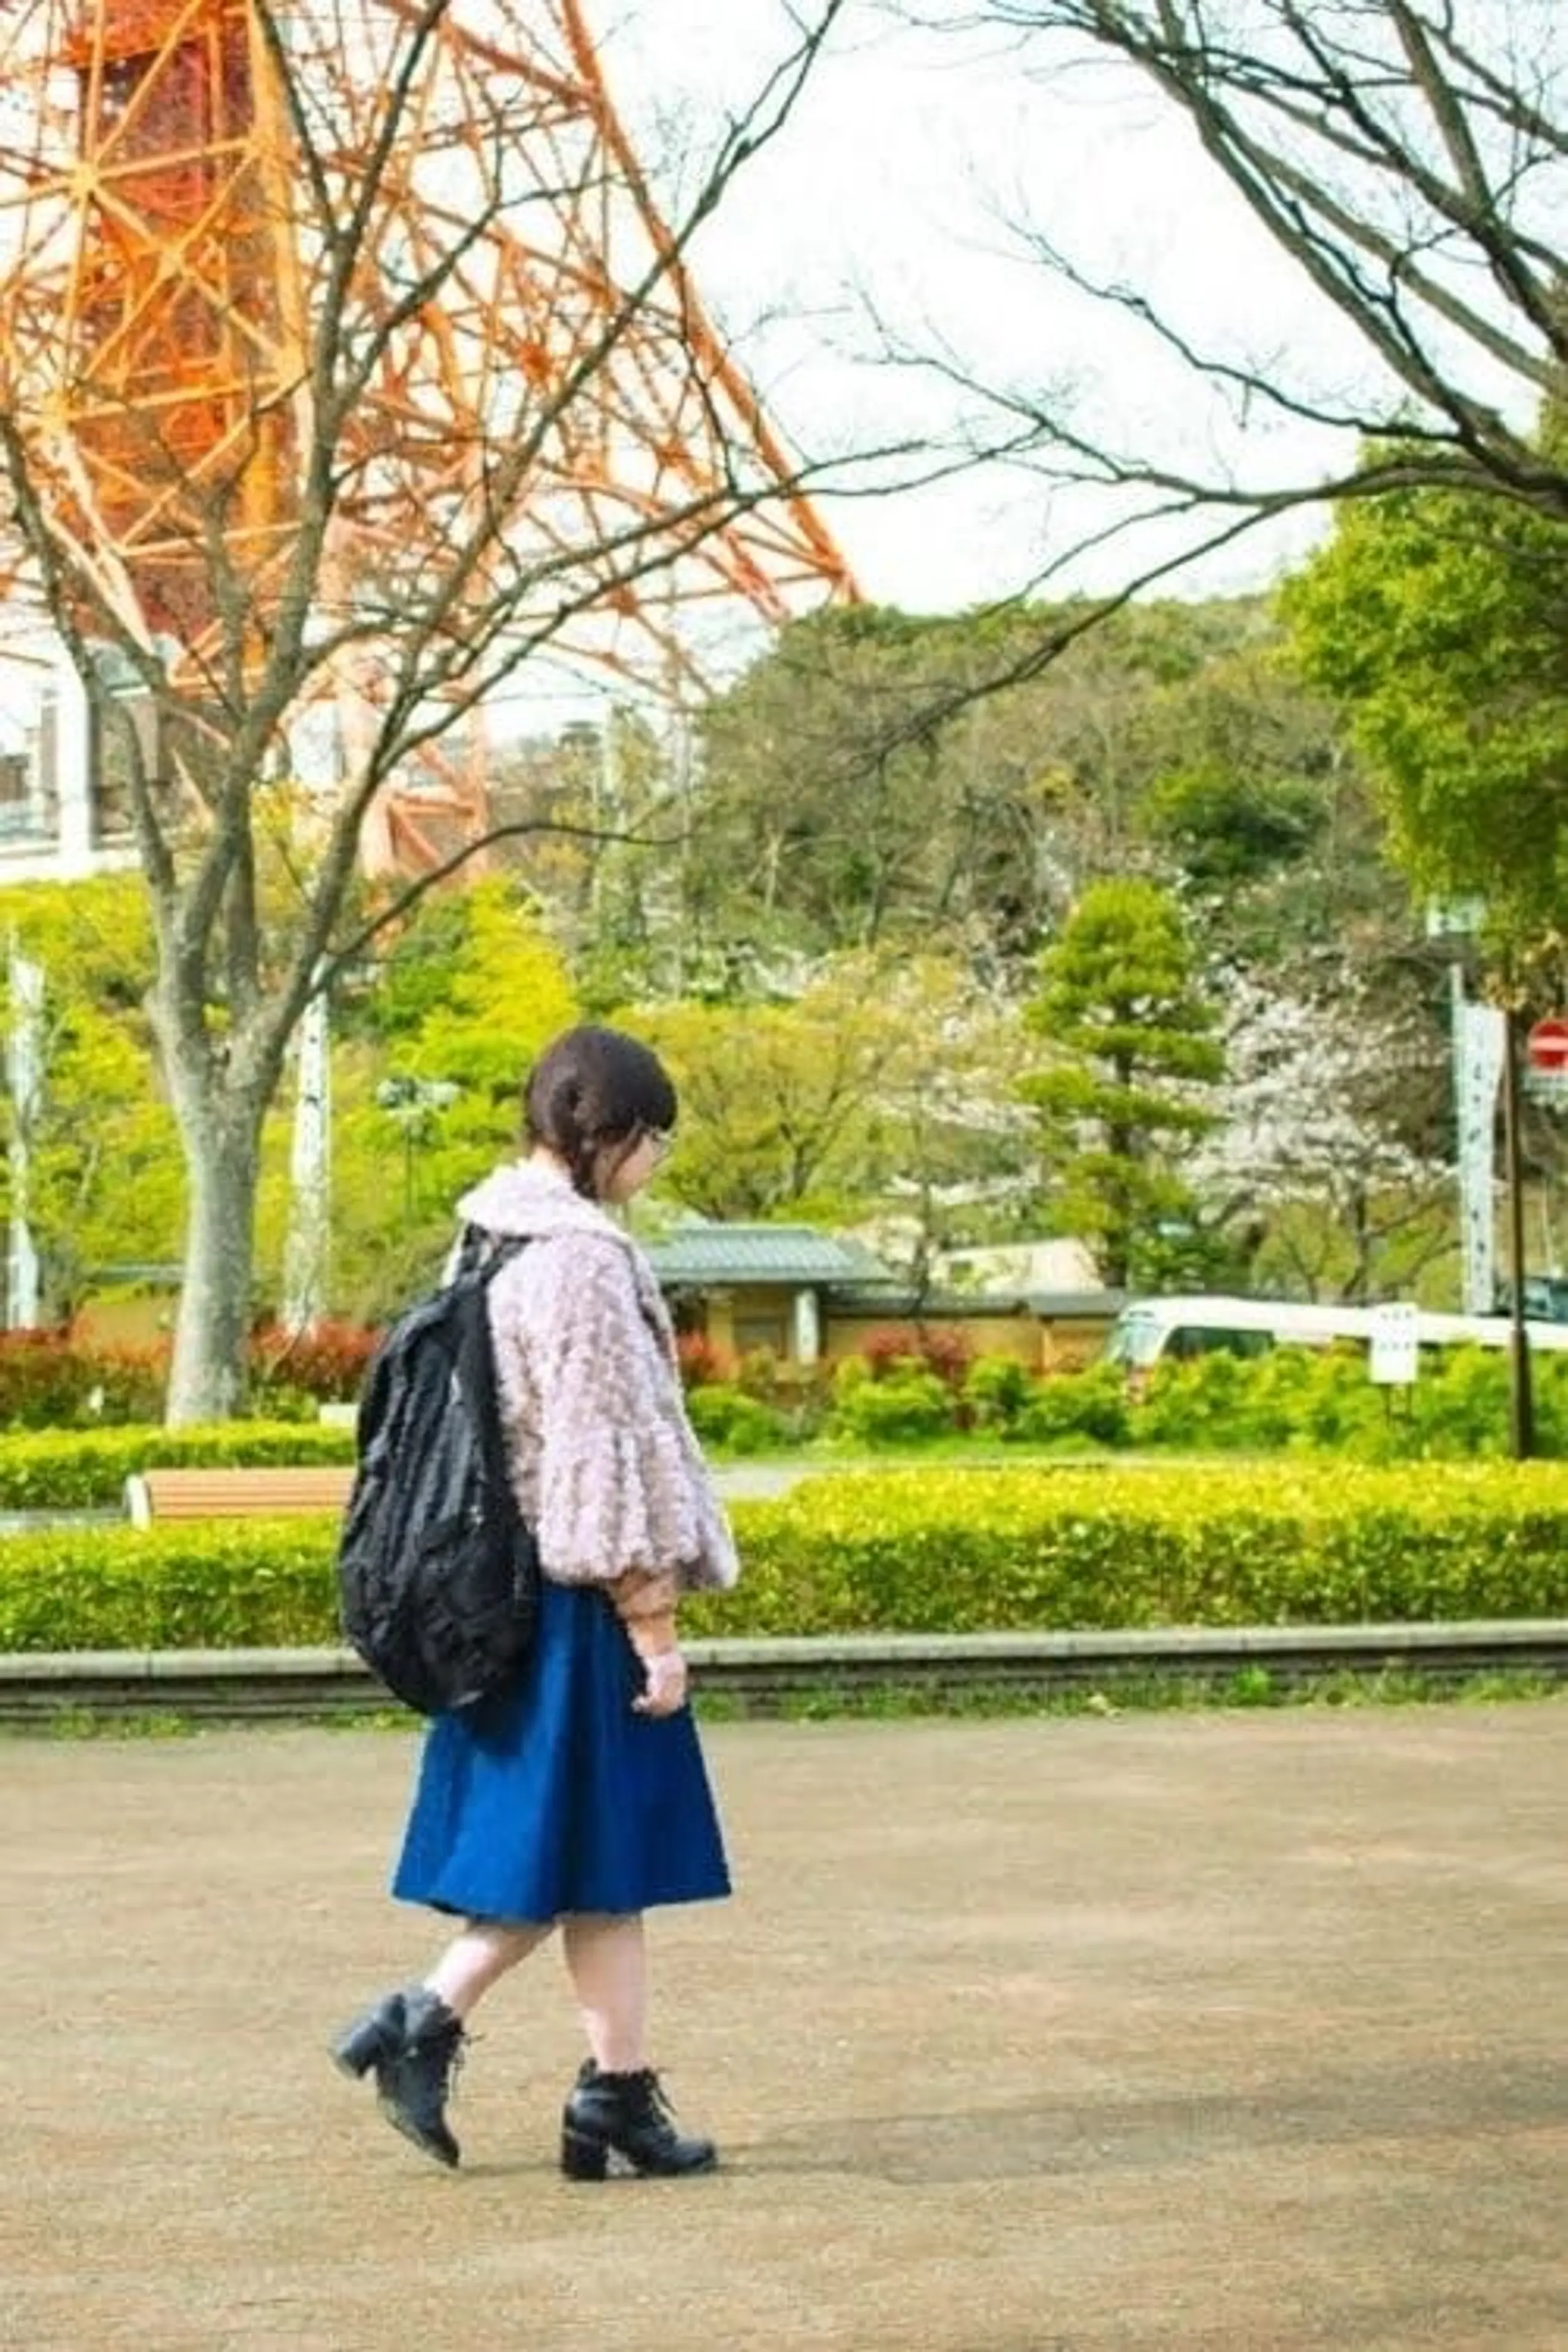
437, 1572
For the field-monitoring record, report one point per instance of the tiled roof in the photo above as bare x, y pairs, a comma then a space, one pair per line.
979, 1306
696, 1256
892, 1298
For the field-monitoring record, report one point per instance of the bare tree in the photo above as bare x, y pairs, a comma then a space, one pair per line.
311, 435
1410, 159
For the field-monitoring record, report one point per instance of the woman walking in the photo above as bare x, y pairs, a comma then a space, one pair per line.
577, 1798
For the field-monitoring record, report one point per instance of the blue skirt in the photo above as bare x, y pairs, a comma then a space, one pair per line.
551, 1796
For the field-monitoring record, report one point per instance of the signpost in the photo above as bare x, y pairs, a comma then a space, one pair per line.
1545, 1076
1546, 1058
1492, 1043
1394, 1359
1522, 1398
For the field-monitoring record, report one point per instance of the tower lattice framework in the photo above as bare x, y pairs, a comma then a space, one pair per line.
387, 276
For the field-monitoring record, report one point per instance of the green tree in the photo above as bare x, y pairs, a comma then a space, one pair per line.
827, 819
1130, 1052
1441, 622
104, 1185
777, 1101
884, 1085
427, 1084
833, 813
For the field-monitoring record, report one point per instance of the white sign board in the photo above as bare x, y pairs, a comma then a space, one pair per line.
1394, 1356
1449, 919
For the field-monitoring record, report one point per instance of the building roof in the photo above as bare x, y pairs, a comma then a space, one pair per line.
698, 1256
1062, 1306
896, 1300
979, 1306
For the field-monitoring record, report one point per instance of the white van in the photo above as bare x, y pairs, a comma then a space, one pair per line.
1155, 1330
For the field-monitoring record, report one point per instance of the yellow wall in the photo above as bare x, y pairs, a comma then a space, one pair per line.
733, 1317
734, 1321
1018, 1336
138, 1322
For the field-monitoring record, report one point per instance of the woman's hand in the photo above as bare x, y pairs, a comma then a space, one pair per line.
664, 1690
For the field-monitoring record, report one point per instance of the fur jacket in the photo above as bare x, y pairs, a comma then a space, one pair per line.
606, 1466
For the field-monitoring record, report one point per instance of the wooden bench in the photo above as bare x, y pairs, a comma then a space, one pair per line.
244, 1494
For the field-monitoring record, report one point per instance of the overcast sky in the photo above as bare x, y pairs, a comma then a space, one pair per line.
895, 206
904, 179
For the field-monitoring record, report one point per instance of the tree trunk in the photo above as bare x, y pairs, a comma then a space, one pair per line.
212, 1332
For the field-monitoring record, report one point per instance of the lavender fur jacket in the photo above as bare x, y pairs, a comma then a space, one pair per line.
607, 1468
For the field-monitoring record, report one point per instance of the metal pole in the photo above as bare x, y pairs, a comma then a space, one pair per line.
24, 1070
307, 1245
1522, 1414
1479, 1033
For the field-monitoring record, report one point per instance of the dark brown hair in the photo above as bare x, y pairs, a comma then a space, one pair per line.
594, 1088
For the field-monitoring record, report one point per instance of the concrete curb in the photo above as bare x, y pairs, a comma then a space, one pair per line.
239, 1684
1131, 1644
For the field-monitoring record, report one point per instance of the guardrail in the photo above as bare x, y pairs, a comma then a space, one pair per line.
41, 1689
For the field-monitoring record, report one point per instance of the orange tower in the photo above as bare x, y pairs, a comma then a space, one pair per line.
367, 302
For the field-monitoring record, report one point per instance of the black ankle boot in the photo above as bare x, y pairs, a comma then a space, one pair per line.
414, 2043
371, 2039
623, 2123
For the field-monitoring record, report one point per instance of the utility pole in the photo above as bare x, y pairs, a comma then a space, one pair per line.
307, 1251
1521, 1395
25, 1074
1484, 1037
1479, 1033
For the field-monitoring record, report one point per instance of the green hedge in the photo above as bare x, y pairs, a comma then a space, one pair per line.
916, 1551
1044, 1547
80, 1470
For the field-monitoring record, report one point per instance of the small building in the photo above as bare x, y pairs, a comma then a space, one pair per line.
746, 1288
809, 1296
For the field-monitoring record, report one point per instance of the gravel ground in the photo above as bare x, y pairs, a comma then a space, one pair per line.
1196, 2034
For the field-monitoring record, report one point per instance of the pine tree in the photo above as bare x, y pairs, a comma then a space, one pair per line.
1131, 1050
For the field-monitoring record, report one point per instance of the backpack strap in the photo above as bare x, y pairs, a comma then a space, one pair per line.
482, 1253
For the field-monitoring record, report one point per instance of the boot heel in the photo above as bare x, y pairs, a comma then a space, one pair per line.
583, 2156
366, 2043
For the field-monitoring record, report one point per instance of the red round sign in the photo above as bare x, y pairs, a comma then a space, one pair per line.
1547, 1045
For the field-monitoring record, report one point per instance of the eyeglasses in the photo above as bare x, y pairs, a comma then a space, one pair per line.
662, 1140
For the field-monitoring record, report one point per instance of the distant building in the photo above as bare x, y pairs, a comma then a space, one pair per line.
62, 811
809, 1296
1062, 1264
805, 1297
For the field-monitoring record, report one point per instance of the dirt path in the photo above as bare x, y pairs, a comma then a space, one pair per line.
1224, 2033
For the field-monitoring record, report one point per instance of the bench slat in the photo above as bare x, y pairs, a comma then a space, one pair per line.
226, 1493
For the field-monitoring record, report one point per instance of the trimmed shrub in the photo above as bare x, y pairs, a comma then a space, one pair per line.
996, 1391
731, 1422
86, 1470
1322, 1400
49, 1381
327, 1365
703, 1364
930, 1347
915, 1551
900, 1404
1053, 1547
1090, 1404
201, 1585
